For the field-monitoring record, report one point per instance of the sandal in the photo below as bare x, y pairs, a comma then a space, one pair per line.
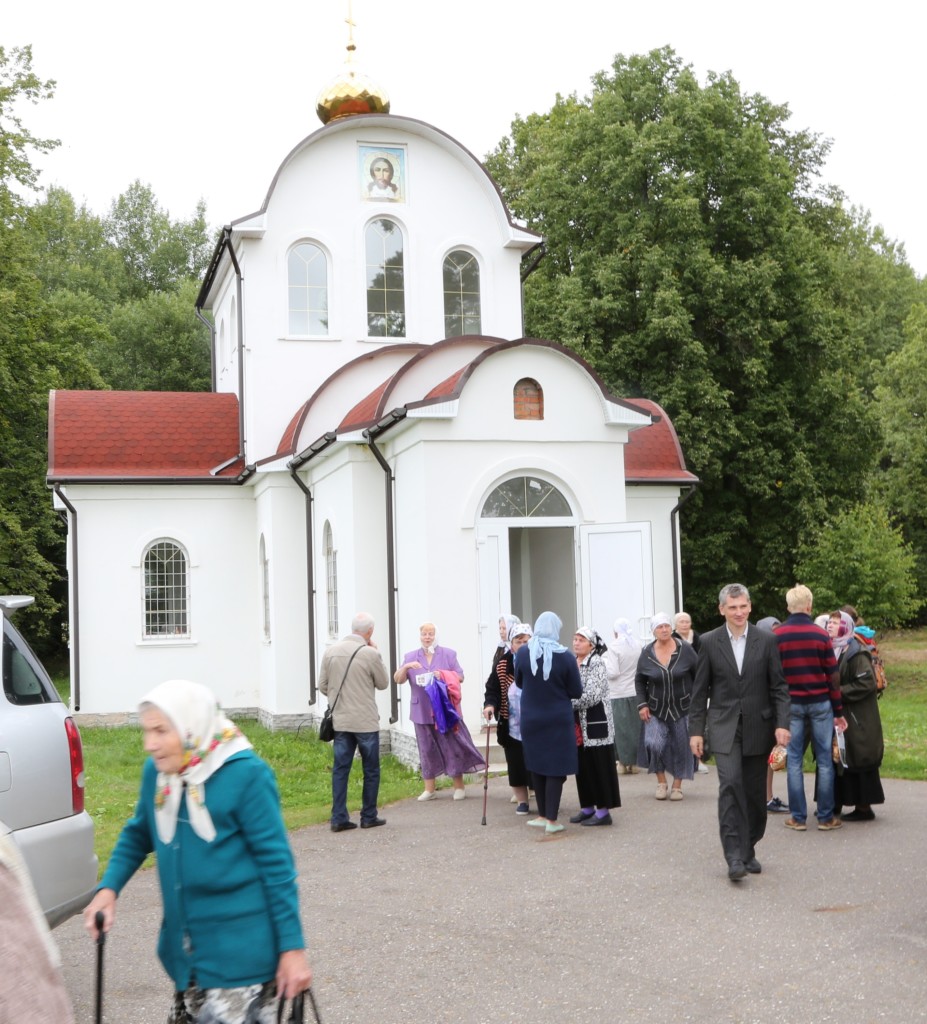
661, 791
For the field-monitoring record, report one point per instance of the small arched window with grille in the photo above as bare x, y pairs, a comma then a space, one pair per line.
165, 591
528, 398
461, 294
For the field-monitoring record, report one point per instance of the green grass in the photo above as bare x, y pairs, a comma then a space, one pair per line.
113, 756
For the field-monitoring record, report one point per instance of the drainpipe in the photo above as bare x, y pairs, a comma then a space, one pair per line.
370, 434
75, 593
674, 538
293, 465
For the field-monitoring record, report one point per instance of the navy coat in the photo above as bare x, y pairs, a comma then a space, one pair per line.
548, 731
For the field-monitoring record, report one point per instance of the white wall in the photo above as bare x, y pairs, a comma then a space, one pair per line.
216, 526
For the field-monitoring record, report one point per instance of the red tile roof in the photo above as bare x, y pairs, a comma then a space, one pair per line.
141, 435
653, 454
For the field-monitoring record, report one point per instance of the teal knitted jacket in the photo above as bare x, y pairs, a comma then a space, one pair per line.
230, 906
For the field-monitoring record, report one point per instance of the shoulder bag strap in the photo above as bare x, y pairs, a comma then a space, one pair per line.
345, 676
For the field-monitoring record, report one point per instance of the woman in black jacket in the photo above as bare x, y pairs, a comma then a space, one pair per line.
502, 701
858, 783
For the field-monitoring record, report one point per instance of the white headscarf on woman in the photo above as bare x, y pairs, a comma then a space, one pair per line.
209, 739
509, 620
546, 642
624, 636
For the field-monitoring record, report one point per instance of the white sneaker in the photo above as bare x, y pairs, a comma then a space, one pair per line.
460, 794
703, 769
428, 796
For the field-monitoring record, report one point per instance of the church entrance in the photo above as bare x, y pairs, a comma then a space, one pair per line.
535, 556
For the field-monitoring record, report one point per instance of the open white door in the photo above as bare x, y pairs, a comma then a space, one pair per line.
617, 575
492, 552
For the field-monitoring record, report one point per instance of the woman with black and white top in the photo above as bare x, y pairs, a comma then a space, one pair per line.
597, 778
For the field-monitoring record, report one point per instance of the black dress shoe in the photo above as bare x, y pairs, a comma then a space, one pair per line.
374, 823
859, 816
593, 820
344, 826
581, 817
753, 866
736, 871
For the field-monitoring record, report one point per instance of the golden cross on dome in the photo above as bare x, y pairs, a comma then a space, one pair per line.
352, 24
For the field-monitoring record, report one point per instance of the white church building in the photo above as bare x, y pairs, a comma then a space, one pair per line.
379, 437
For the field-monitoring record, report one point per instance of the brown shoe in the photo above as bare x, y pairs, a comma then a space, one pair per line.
829, 826
798, 826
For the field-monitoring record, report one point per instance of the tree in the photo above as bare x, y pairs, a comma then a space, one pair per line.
861, 558
37, 353
18, 83
902, 396
694, 258
157, 253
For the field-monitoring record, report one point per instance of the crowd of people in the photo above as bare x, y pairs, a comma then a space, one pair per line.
231, 937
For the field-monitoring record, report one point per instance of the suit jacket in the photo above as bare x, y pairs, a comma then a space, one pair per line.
758, 694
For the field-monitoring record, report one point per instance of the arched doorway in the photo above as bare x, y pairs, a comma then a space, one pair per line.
526, 539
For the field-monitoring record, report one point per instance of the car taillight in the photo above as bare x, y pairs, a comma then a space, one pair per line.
77, 765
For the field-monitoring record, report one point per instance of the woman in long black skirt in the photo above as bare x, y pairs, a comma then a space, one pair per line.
597, 778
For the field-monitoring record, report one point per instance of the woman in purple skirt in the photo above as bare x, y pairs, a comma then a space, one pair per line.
449, 752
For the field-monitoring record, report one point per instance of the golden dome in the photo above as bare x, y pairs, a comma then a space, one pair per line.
351, 93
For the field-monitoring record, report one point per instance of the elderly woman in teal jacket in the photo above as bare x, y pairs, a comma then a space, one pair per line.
230, 938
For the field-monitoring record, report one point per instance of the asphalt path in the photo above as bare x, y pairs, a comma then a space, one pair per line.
437, 918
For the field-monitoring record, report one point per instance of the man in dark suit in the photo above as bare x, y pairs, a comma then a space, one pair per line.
741, 692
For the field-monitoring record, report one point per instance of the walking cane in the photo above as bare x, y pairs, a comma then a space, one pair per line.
486, 772
101, 941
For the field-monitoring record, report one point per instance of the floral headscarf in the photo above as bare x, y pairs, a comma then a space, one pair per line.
209, 739
519, 629
844, 633
546, 642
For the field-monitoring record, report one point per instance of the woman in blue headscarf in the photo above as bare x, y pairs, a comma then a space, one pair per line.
549, 679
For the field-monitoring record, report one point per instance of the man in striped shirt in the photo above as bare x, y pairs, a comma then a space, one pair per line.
810, 670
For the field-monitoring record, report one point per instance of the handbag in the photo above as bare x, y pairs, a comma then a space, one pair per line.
298, 1009
327, 725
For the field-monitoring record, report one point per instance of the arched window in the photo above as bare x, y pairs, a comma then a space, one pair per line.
525, 497
307, 277
331, 579
165, 591
386, 296
265, 589
528, 398
461, 294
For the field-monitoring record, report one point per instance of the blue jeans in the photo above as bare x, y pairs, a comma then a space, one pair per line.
819, 718
344, 746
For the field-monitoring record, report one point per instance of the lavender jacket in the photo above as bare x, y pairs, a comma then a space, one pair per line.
444, 658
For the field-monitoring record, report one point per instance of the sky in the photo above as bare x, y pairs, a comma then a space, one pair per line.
203, 99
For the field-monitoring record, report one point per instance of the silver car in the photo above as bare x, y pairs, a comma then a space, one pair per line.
42, 779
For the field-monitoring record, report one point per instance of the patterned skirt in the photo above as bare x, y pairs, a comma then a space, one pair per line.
664, 747
450, 753
251, 1004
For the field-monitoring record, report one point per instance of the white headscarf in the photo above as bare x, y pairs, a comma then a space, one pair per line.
509, 620
660, 619
624, 635
209, 739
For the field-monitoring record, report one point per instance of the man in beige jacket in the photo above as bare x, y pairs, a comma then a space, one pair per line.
351, 670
